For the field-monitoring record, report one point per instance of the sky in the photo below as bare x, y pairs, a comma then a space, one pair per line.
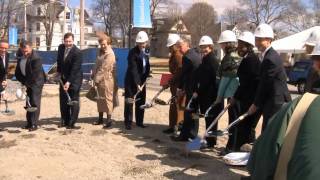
219, 5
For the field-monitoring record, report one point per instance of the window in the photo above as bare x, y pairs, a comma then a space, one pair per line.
67, 15
69, 28
78, 43
86, 30
39, 11
38, 27
37, 41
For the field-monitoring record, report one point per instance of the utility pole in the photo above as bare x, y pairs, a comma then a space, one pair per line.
82, 24
64, 18
25, 20
130, 23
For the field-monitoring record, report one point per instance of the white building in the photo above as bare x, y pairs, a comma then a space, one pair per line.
36, 31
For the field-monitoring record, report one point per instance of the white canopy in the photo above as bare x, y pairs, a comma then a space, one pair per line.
294, 43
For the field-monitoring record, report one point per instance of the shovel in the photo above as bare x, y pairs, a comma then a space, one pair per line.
7, 111
29, 108
70, 101
97, 97
195, 144
225, 132
188, 108
151, 103
134, 99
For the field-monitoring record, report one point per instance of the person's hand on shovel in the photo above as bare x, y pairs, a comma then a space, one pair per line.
66, 86
4, 84
252, 109
139, 87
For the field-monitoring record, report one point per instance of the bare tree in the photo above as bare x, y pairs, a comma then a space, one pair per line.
7, 8
48, 17
174, 11
103, 10
234, 15
155, 8
200, 20
121, 11
265, 11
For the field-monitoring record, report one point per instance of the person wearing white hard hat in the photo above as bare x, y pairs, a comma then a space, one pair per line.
137, 73
248, 73
227, 73
175, 67
190, 62
310, 44
315, 56
206, 86
272, 90
312, 40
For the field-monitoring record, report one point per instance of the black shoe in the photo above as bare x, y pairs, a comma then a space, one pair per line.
107, 124
142, 126
245, 178
168, 131
28, 126
72, 127
98, 122
224, 152
128, 127
33, 128
178, 138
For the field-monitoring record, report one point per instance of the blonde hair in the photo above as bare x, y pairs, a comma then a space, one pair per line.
103, 37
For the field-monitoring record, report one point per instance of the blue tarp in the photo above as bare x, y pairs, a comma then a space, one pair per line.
89, 59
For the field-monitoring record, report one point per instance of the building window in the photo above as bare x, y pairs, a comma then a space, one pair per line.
37, 41
69, 28
86, 30
38, 27
67, 15
78, 43
39, 11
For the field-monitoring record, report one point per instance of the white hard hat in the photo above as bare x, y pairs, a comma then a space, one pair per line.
316, 50
313, 38
172, 39
227, 36
20, 94
205, 40
248, 37
264, 31
142, 37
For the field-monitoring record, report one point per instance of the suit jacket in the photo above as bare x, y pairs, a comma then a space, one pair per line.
248, 73
3, 70
205, 82
272, 88
190, 63
134, 75
35, 75
70, 68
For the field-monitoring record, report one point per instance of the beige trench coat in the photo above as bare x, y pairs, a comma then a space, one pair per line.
106, 81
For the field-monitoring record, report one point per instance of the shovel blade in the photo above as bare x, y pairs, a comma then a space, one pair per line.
8, 112
217, 133
31, 109
193, 145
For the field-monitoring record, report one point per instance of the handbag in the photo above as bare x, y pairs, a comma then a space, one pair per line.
91, 94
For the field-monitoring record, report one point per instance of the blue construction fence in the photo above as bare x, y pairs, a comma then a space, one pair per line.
89, 58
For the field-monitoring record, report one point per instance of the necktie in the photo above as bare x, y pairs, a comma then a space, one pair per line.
3, 61
66, 52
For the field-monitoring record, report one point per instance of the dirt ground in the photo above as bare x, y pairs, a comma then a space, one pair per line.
97, 154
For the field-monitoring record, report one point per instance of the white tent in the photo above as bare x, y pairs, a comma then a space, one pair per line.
294, 43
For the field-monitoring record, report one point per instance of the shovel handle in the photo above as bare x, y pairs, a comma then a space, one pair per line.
216, 119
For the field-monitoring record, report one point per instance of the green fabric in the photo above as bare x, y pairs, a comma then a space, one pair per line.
227, 87
305, 160
229, 65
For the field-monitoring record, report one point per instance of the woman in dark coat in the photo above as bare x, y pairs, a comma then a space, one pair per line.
205, 87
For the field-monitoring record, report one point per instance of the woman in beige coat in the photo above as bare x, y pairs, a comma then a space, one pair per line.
104, 77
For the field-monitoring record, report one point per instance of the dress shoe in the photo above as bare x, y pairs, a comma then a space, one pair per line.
224, 152
26, 126
128, 127
168, 131
141, 125
33, 128
245, 178
98, 122
72, 127
178, 138
107, 124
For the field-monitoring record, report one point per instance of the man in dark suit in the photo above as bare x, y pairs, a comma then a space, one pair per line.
191, 60
69, 62
136, 75
272, 90
30, 73
4, 61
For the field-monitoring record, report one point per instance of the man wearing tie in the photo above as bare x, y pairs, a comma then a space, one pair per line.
4, 61
69, 62
30, 73
136, 75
